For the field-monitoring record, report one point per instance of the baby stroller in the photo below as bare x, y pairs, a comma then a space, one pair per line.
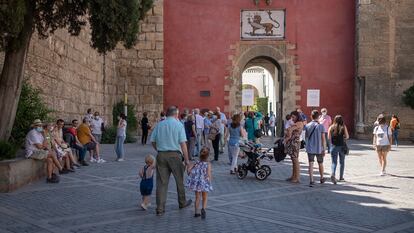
254, 154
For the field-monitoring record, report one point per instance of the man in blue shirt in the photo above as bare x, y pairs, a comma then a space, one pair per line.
169, 140
315, 145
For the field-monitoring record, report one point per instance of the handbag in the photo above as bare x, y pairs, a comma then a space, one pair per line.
257, 132
345, 148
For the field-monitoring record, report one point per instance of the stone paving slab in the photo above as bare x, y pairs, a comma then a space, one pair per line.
105, 197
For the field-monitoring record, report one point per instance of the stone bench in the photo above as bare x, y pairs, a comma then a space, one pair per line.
15, 173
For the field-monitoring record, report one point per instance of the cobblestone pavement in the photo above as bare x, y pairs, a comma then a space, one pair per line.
104, 198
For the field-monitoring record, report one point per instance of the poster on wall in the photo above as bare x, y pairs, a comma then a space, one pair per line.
262, 24
313, 98
247, 97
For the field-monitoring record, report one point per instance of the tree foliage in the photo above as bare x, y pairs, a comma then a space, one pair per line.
132, 122
30, 108
408, 97
111, 21
262, 104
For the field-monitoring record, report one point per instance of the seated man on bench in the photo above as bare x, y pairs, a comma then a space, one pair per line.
36, 148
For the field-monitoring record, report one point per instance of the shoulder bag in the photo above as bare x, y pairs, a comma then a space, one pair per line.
257, 132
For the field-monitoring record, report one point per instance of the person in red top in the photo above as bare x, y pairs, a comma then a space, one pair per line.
74, 142
395, 127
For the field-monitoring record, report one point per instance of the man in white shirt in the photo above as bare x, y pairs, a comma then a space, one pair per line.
96, 127
199, 124
37, 148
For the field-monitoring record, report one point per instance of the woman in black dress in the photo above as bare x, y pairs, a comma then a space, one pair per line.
145, 127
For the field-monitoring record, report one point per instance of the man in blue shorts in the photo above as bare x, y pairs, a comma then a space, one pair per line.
315, 145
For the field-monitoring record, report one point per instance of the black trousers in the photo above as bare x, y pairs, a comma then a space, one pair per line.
216, 145
144, 136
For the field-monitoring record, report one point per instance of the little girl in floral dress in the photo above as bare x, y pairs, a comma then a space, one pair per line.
199, 181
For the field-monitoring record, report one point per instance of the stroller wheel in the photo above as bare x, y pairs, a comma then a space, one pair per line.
261, 174
267, 169
241, 172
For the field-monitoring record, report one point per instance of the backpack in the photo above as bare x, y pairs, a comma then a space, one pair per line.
212, 133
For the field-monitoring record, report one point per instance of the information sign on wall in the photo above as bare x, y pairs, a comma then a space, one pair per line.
262, 24
247, 97
313, 98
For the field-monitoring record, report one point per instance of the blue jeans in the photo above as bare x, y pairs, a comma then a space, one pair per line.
335, 152
119, 147
395, 136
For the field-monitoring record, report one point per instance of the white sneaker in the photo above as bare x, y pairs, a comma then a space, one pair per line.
144, 207
120, 160
93, 160
383, 173
101, 161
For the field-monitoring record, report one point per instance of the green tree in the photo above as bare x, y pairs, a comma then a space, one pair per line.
132, 122
30, 108
111, 22
408, 97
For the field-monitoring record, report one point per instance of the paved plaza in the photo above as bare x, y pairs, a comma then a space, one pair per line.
105, 197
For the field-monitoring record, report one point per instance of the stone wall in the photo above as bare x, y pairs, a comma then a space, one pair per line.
70, 75
385, 60
73, 77
142, 66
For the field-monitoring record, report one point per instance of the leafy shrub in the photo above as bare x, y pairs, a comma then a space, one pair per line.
30, 107
408, 97
131, 118
7, 150
109, 136
262, 104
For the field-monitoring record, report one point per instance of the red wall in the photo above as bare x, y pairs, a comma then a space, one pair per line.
198, 35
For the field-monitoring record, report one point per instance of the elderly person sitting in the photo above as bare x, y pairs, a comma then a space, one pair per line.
37, 149
61, 145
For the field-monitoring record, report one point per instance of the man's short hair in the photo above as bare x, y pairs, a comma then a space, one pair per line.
172, 111
196, 111
85, 120
60, 121
74, 120
315, 114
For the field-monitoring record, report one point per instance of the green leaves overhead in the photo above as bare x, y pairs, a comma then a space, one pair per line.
111, 21
12, 20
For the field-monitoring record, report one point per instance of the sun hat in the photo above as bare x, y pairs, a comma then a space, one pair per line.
37, 122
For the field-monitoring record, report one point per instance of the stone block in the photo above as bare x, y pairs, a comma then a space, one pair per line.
159, 27
141, 63
147, 27
159, 46
18, 172
155, 54
155, 19
159, 63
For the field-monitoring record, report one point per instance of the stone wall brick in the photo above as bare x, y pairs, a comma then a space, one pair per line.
385, 36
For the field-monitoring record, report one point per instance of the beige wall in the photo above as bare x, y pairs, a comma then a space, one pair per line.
385, 36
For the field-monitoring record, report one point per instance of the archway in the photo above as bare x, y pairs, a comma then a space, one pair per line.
261, 79
273, 57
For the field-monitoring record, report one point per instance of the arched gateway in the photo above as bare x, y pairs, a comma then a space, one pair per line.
274, 59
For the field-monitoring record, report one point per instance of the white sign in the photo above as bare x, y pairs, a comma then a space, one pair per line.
247, 97
313, 98
262, 24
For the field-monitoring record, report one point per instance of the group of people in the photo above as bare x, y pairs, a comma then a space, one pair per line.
64, 148
322, 135
178, 139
